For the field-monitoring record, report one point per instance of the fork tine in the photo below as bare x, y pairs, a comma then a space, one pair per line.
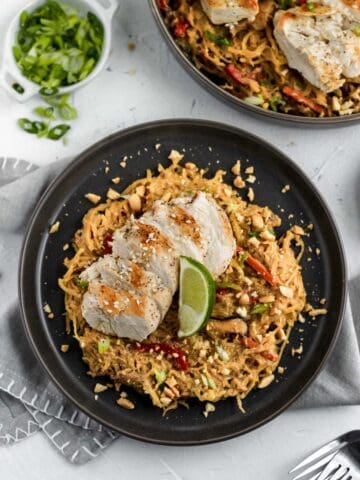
330, 470
341, 473
316, 466
317, 454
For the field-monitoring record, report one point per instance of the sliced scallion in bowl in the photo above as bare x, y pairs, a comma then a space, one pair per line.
56, 46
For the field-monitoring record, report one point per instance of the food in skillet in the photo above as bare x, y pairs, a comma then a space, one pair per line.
292, 56
120, 288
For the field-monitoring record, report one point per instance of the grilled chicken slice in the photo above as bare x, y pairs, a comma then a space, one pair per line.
230, 11
321, 44
120, 273
149, 248
215, 227
350, 8
131, 289
180, 227
119, 312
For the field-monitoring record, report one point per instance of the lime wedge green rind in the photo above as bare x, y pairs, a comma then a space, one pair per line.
196, 298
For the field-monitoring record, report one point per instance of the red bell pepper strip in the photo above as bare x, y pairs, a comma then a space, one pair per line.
236, 74
180, 28
259, 268
299, 97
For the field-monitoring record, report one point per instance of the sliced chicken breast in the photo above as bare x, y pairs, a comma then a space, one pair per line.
148, 247
119, 312
321, 44
131, 289
350, 8
215, 227
180, 227
230, 11
120, 273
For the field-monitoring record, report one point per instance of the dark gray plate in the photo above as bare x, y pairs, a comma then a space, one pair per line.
210, 145
213, 88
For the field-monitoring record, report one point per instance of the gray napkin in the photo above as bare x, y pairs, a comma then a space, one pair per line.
29, 402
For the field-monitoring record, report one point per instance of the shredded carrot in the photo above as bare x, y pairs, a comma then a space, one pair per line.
299, 97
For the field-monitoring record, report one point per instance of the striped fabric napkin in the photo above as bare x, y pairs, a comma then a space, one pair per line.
30, 403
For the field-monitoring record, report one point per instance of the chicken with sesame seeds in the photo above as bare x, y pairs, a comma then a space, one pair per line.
131, 289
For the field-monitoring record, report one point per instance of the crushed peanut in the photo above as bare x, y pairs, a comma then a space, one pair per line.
175, 156
65, 247
249, 170
265, 382
285, 189
113, 194
116, 180
251, 195
125, 403
239, 182
251, 179
99, 388
55, 227
47, 308
236, 168
64, 348
93, 198
135, 202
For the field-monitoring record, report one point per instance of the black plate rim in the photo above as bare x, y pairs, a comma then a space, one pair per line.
210, 86
26, 322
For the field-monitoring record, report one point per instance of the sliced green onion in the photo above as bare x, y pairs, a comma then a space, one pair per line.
285, 4
55, 46
260, 308
48, 91
254, 100
46, 112
207, 381
67, 112
234, 286
218, 39
310, 6
58, 132
18, 88
224, 356
356, 29
27, 125
275, 102
81, 283
254, 234
211, 383
243, 257
103, 345
160, 376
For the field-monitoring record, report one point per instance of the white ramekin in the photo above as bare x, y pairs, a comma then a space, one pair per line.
10, 73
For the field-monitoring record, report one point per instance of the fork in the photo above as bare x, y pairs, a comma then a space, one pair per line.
321, 459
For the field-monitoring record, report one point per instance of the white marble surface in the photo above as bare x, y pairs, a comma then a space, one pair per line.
148, 84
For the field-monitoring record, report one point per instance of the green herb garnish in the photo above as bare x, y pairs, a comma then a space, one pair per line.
46, 112
56, 46
81, 283
356, 29
260, 308
275, 102
27, 125
285, 4
254, 234
18, 88
310, 6
243, 257
218, 39
160, 377
103, 345
228, 285
58, 132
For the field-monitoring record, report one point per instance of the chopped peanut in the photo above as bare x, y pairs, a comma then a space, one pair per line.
175, 156
116, 180
113, 194
236, 168
135, 202
125, 403
251, 195
93, 198
64, 348
239, 182
54, 228
99, 388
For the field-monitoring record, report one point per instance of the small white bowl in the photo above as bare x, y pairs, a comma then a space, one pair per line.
10, 73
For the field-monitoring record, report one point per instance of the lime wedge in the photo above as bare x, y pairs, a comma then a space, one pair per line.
196, 298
